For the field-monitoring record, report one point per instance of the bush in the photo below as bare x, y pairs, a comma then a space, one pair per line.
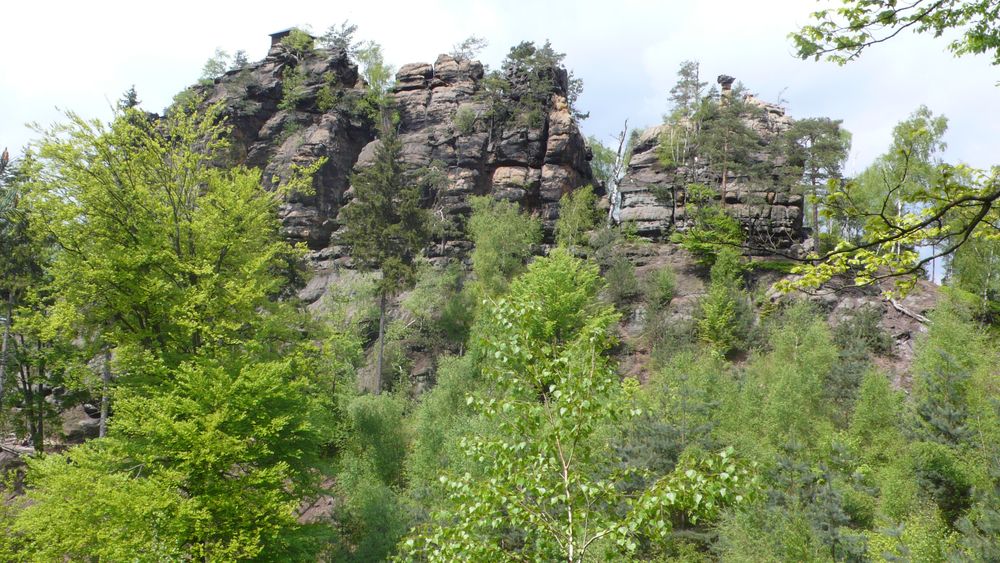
298, 42
622, 286
578, 214
659, 288
725, 316
325, 98
465, 120
293, 88
503, 238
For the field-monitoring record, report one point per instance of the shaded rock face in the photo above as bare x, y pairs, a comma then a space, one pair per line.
769, 210
274, 139
444, 123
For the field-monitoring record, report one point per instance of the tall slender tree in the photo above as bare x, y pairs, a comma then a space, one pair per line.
819, 145
386, 226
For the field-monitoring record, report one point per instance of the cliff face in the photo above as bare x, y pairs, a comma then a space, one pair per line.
769, 210
444, 120
443, 123
274, 136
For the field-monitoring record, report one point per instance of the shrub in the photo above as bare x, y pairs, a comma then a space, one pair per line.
293, 88
325, 98
503, 238
725, 316
298, 42
578, 214
465, 120
660, 287
622, 286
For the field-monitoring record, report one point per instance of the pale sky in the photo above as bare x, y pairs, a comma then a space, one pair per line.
82, 56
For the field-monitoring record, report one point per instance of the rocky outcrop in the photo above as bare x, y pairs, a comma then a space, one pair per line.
274, 129
653, 197
293, 108
445, 122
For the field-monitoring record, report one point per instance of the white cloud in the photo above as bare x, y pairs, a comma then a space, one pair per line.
83, 55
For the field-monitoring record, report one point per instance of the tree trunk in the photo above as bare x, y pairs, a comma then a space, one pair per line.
105, 389
815, 213
3, 351
381, 343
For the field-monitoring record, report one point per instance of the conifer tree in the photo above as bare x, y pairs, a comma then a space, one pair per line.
725, 139
386, 227
820, 147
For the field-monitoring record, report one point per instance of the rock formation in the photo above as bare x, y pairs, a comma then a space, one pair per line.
443, 123
769, 210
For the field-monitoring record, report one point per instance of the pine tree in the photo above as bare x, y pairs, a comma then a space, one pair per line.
386, 227
725, 138
820, 147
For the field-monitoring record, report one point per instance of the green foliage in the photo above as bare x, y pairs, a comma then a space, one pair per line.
819, 147
678, 410
503, 238
904, 200
841, 35
876, 420
326, 99
373, 517
438, 423
220, 408
954, 350
214, 67
385, 224
921, 537
298, 42
442, 304
371, 470
701, 487
622, 285
166, 469
973, 269
341, 37
468, 48
465, 120
713, 227
660, 287
726, 140
725, 316
578, 215
758, 535
541, 480
378, 76
293, 88
520, 92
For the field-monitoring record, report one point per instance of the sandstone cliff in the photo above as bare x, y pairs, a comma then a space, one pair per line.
442, 123
769, 210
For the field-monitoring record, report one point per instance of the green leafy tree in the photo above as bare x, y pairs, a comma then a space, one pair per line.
541, 494
713, 229
206, 469
341, 37
578, 215
378, 75
468, 48
960, 206
503, 237
386, 226
683, 124
214, 67
221, 408
520, 92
